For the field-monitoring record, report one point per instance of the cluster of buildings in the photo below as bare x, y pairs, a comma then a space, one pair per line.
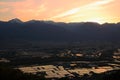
51, 71
90, 54
84, 54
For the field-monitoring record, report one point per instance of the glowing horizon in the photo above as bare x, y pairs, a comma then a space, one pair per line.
100, 11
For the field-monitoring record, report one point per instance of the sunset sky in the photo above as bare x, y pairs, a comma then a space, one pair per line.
100, 11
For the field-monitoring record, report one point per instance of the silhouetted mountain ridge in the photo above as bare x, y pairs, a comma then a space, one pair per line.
49, 31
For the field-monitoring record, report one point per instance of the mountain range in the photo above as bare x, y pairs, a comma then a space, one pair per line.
16, 31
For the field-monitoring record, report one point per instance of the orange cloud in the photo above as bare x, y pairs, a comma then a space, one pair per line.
61, 10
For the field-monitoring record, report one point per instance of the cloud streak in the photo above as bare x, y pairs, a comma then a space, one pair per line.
82, 8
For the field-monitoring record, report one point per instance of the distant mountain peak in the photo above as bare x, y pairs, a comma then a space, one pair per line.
15, 20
